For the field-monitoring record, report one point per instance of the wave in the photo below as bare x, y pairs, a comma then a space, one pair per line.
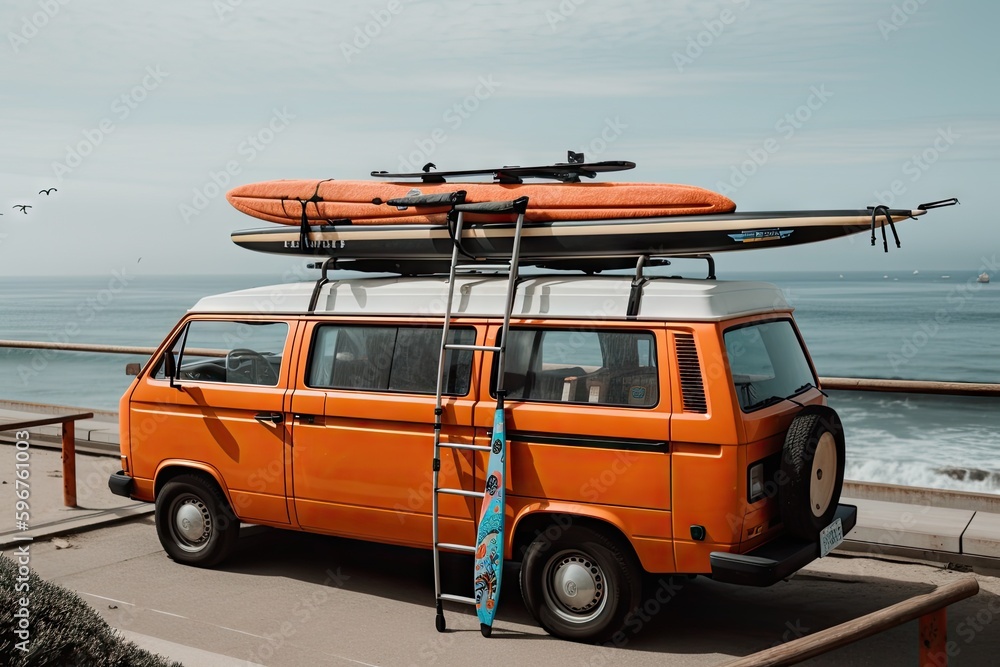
911, 473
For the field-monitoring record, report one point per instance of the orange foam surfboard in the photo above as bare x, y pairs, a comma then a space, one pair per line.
330, 200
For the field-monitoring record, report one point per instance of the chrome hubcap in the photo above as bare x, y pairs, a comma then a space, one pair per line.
576, 589
192, 523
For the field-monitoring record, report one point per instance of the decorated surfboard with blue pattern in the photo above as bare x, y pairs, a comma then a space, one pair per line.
490, 536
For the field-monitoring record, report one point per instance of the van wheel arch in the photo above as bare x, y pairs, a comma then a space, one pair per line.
581, 580
195, 522
529, 527
170, 472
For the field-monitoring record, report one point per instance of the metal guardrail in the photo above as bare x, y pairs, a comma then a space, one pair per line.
68, 447
932, 632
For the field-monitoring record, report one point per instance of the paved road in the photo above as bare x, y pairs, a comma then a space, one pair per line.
290, 598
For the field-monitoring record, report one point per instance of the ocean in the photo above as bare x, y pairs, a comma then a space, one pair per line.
926, 325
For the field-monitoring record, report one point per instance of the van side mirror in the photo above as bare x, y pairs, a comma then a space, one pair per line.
133, 368
170, 368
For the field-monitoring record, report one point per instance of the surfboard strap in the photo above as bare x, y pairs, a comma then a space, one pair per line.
304, 243
884, 210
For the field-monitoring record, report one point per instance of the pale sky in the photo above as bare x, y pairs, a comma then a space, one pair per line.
134, 111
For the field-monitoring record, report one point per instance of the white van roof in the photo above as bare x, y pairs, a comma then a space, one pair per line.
549, 296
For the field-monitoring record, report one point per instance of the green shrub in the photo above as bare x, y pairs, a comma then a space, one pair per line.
64, 630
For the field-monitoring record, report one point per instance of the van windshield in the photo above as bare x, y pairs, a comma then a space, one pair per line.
767, 363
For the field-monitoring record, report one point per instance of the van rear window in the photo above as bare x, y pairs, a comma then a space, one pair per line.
767, 363
388, 358
578, 366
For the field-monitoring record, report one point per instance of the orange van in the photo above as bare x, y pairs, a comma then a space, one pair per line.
654, 426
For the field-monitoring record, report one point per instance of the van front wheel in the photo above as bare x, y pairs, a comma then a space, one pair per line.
580, 585
194, 522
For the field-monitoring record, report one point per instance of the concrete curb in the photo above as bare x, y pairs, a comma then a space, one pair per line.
77, 524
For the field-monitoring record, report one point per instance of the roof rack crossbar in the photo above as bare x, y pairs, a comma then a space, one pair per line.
323, 280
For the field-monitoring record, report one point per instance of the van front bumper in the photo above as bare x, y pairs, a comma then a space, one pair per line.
120, 484
776, 560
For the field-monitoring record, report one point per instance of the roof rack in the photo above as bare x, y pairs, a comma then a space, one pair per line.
565, 172
434, 269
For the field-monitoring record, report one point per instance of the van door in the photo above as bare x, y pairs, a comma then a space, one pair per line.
363, 431
223, 412
589, 424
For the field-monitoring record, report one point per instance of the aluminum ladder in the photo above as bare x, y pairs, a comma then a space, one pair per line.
516, 207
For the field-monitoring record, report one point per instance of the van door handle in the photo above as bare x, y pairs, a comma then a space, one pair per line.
270, 417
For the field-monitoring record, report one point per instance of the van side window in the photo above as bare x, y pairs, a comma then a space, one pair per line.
575, 366
388, 358
227, 351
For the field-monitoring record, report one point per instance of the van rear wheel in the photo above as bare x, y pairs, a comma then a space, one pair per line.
812, 464
194, 521
580, 585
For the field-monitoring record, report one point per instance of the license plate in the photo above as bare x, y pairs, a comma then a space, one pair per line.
830, 537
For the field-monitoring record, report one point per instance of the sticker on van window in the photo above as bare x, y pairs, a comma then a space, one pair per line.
638, 393
756, 235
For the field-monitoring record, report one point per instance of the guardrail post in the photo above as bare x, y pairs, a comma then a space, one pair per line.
933, 634
69, 462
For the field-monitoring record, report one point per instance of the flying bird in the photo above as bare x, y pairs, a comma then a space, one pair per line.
47, 192
24, 207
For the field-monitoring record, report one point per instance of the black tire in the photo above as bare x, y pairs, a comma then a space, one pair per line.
194, 522
813, 450
582, 559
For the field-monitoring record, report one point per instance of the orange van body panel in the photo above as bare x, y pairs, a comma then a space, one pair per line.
642, 527
363, 470
358, 463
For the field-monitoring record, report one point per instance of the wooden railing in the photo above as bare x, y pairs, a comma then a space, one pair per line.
77, 347
932, 632
912, 386
68, 447
834, 383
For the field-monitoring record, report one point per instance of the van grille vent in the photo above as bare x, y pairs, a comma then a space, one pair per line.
692, 387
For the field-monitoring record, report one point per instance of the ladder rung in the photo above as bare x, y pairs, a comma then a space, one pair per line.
478, 448
461, 492
485, 348
457, 547
478, 267
457, 598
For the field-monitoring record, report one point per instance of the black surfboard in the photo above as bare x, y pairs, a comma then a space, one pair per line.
590, 245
